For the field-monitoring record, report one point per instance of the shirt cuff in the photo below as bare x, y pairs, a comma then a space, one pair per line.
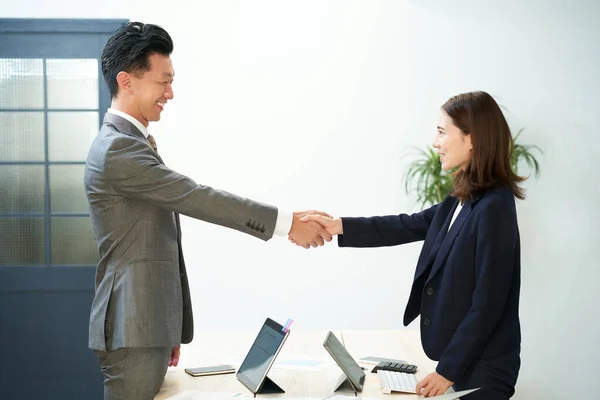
284, 223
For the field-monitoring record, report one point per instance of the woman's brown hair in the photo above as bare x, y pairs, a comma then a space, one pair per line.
477, 114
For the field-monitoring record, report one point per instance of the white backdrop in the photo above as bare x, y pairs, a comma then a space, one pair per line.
314, 104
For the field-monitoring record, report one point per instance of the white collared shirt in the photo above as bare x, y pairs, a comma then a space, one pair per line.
284, 218
459, 207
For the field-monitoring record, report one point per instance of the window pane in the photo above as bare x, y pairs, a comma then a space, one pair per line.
73, 241
21, 83
21, 136
72, 83
67, 193
70, 135
22, 188
21, 241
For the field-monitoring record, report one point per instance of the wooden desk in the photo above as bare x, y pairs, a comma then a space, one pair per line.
224, 347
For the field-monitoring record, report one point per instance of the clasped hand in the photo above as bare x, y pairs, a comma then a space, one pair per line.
313, 228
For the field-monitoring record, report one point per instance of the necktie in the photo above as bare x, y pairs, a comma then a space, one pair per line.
152, 142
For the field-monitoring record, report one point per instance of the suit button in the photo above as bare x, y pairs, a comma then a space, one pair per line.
430, 291
426, 322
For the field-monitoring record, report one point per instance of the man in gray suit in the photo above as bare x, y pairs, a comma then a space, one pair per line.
142, 311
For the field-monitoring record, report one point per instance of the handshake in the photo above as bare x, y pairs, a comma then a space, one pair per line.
313, 228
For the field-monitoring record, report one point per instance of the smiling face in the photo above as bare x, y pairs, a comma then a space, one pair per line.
148, 91
453, 145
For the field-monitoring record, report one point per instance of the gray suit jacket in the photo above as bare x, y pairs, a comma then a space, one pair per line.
142, 295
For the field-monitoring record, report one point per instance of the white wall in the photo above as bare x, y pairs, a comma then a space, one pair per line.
313, 104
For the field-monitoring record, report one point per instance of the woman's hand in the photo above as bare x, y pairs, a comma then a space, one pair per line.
433, 384
332, 225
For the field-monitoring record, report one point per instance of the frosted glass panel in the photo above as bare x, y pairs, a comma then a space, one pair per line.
21, 241
72, 83
67, 193
73, 241
21, 83
21, 136
70, 135
22, 188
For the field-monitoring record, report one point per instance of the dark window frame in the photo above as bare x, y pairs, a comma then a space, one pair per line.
15, 33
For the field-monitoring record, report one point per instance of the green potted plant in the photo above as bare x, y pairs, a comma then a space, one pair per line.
425, 178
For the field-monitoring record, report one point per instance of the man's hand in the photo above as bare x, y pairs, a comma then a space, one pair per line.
433, 384
308, 234
174, 359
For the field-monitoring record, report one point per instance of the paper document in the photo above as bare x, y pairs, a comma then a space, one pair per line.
452, 396
447, 396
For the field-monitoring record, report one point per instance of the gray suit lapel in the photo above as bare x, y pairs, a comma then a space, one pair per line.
127, 128
157, 155
122, 125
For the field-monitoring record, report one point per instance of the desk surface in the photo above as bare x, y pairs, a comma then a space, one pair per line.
210, 348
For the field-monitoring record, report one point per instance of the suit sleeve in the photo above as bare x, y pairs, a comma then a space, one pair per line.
134, 171
390, 230
495, 253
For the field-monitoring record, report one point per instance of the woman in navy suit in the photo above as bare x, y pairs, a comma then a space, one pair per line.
467, 281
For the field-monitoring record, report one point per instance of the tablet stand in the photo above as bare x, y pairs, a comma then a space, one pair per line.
345, 385
269, 387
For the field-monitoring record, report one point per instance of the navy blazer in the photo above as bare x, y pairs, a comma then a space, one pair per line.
467, 281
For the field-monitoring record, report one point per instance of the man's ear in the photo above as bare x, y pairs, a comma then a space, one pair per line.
124, 81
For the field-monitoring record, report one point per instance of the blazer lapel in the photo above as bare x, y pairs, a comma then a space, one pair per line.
446, 244
126, 127
431, 247
157, 155
439, 239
